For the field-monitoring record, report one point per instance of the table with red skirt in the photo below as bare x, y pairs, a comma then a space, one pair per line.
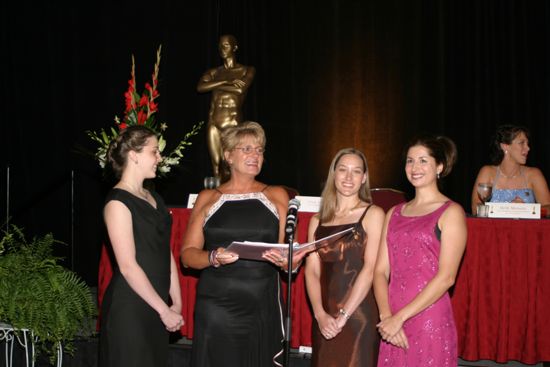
501, 298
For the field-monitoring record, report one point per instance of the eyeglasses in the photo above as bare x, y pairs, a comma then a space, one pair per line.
249, 149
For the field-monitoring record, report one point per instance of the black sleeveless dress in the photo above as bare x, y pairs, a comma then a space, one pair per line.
357, 344
132, 333
238, 317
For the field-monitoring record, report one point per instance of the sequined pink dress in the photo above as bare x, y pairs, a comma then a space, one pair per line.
413, 249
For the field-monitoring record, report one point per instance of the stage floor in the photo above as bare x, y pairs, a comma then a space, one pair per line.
180, 353
87, 350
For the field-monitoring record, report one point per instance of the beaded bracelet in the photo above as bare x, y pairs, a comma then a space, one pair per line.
344, 313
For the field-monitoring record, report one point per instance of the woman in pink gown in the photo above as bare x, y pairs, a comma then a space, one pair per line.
422, 244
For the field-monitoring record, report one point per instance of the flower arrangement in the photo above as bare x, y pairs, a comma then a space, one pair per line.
140, 110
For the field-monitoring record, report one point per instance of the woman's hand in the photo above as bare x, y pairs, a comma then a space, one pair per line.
328, 326
280, 258
172, 320
341, 321
224, 257
276, 257
517, 199
400, 340
177, 309
389, 327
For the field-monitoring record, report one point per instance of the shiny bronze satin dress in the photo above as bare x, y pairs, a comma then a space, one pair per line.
357, 343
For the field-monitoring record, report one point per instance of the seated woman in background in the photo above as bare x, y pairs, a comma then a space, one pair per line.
512, 180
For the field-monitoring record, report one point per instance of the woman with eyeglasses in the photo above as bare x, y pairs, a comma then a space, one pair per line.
238, 314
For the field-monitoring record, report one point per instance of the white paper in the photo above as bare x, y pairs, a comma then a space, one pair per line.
254, 250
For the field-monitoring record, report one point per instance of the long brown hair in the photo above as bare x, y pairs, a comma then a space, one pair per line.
328, 197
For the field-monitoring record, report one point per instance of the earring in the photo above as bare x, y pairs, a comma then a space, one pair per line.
505, 152
438, 175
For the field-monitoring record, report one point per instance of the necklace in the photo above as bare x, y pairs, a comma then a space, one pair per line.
143, 194
350, 210
509, 176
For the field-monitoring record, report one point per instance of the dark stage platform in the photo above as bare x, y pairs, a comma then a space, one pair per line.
180, 353
87, 349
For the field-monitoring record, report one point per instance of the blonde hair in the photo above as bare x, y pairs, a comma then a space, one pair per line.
232, 136
328, 197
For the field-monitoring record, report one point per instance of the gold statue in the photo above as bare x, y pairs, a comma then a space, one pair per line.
228, 84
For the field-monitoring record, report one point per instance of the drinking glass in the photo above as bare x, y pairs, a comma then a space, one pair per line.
484, 192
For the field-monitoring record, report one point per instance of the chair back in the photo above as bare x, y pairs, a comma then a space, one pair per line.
386, 198
292, 192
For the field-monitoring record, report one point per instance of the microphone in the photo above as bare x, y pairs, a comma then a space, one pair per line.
292, 215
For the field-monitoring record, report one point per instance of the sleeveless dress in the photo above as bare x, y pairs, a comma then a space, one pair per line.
357, 344
238, 314
132, 333
413, 249
507, 195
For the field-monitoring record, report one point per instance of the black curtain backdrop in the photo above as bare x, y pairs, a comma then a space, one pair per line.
330, 74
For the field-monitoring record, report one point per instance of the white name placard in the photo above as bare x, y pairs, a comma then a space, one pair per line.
191, 200
309, 203
514, 210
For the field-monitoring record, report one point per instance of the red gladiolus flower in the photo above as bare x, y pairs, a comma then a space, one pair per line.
155, 93
129, 99
143, 101
141, 117
122, 126
148, 87
153, 107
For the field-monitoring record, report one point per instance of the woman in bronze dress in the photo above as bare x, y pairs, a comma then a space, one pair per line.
339, 276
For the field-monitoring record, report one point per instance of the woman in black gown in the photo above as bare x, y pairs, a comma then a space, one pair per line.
136, 315
238, 312
339, 276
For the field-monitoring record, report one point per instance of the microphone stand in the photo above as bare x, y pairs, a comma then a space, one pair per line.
288, 323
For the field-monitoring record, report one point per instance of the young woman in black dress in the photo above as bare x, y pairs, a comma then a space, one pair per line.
143, 300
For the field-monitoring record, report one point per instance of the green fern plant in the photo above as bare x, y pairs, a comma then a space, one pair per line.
38, 294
